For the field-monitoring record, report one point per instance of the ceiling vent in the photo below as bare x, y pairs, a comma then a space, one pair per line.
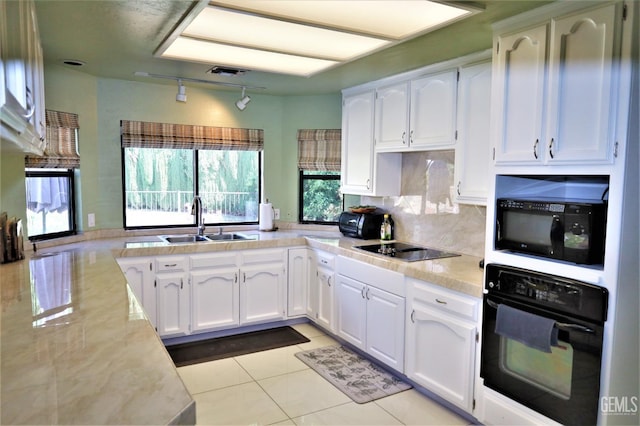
225, 72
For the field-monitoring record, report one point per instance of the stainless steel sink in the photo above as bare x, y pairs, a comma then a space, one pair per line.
226, 237
174, 239
190, 238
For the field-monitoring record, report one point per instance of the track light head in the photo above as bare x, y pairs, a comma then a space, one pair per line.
242, 103
181, 96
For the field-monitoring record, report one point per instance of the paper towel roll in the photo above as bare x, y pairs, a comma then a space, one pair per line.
266, 217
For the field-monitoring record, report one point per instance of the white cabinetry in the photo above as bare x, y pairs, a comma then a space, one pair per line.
298, 283
22, 119
359, 162
172, 284
370, 310
557, 110
215, 291
473, 126
417, 115
262, 285
325, 290
441, 341
141, 279
433, 111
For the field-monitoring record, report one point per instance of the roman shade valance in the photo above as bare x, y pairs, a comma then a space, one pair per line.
61, 151
143, 134
319, 149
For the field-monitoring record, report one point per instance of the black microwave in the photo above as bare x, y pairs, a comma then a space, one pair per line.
573, 231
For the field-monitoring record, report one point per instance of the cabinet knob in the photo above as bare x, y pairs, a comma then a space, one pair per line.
458, 187
442, 302
413, 316
329, 281
551, 148
535, 148
403, 135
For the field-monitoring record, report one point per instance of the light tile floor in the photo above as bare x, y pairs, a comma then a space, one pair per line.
274, 387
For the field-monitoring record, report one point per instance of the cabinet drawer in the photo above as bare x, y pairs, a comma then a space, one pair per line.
172, 263
443, 299
253, 257
215, 260
326, 260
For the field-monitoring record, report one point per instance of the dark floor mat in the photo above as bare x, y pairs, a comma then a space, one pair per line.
229, 346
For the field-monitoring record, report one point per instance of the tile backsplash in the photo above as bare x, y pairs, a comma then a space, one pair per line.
425, 213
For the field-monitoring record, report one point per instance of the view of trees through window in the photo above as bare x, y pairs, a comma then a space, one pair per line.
159, 186
320, 199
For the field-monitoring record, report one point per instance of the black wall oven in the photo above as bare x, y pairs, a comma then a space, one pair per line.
542, 342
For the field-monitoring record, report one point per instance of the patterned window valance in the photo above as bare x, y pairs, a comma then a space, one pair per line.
142, 134
319, 149
61, 151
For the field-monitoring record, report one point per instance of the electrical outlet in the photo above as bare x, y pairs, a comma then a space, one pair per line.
91, 220
276, 214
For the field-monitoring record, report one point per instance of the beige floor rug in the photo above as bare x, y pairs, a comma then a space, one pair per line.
359, 378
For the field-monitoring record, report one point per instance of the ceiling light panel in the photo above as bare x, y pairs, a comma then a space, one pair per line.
207, 52
300, 37
396, 19
237, 28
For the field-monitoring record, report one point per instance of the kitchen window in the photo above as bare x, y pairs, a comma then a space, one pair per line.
166, 165
49, 180
319, 195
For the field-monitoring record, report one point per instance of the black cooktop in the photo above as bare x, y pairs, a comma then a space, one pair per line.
406, 252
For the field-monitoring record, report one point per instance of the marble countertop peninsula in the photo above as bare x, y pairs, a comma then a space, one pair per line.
77, 348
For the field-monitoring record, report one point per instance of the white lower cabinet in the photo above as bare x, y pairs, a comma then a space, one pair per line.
298, 279
215, 291
368, 317
173, 294
441, 341
325, 290
262, 286
141, 279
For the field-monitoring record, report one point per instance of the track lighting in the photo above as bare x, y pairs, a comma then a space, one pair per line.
181, 96
242, 103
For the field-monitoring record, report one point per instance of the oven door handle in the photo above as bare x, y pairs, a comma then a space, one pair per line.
559, 325
574, 327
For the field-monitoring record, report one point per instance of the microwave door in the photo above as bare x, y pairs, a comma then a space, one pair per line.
556, 237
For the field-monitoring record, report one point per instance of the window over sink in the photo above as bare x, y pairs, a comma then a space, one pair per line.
166, 165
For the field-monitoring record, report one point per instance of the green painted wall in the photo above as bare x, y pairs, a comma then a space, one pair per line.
102, 103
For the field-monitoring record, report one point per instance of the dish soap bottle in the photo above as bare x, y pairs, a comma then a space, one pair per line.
386, 229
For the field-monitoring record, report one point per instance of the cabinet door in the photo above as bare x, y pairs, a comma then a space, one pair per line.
140, 277
262, 293
473, 147
352, 311
298, 281
214, 299
518, 82
173, 303
325, 285
357, 143
433, 111
441, 354
385, 327
392, 117
580, 114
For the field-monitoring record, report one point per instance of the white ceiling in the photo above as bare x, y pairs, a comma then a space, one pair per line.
117, 38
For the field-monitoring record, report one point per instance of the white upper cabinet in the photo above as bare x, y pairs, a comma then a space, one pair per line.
392, 117
417, 115
473, 148
549, 107
357, 143
433, 111
21, 78
360, 165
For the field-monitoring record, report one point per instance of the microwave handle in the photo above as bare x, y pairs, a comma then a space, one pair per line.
556, 236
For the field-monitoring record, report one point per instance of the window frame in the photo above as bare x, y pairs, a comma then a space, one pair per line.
196, 191
70, 174
301, 179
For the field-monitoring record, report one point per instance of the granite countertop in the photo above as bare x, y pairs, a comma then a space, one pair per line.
78, 349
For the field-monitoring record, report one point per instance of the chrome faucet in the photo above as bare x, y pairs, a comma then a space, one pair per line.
196, 210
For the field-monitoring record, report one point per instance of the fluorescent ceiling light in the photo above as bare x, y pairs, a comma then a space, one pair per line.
207, 52
300, 37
